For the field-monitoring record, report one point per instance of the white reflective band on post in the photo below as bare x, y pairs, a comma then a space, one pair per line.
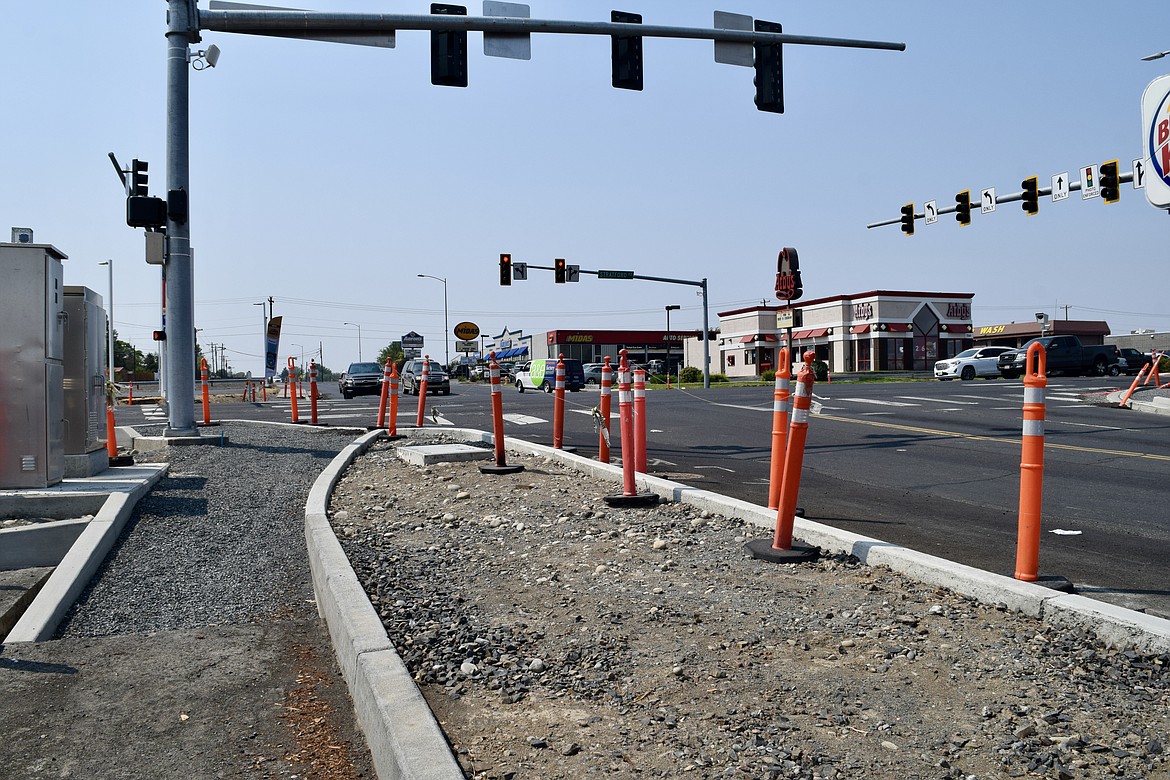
1033, 427
605, 389
624, 396
496, 387
779, 406
495, 374
639, 392
803, 390
560, 384
800, 416
1033, 395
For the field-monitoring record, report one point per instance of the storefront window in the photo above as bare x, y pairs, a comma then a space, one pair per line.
864, 362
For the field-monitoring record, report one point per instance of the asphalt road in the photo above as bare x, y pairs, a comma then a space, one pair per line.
931, 465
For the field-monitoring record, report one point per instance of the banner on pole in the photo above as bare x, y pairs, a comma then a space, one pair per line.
271, 346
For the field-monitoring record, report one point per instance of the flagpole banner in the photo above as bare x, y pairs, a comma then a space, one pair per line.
271, 347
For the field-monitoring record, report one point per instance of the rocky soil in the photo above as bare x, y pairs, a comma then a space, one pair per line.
557, 637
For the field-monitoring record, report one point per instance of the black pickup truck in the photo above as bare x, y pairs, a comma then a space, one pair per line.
1065, 355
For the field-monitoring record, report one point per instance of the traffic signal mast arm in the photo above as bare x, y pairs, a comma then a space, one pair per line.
1073, 186
301, 24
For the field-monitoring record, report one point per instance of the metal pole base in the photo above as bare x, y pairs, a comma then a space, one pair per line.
761, 549
494, 469
637, 500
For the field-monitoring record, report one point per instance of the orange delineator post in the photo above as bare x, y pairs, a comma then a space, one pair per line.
1136, 381
385, 395
559, 404
781, 398
497, 410
131, 401
392, 423
626, 413
292, 373
794, 455
312, 392
421, 390
206, 394
604, 407
1031, 466
111, 433
640, 420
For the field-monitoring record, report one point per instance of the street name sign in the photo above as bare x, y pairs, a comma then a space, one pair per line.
615, 274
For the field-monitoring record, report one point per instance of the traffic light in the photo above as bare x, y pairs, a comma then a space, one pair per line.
449, 50
626, 53
559, 270
138, 178
769, 78
1031, 198
908, 219
144, 211
159, 335
505, 270
963, 207
1110, 191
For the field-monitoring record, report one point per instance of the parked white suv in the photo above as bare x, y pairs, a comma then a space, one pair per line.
970, 363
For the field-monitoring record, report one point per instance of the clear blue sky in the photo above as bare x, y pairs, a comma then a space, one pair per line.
328, 176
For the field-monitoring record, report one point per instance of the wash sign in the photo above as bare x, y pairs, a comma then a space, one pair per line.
1156, 140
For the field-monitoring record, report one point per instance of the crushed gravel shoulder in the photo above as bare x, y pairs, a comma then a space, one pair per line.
557, 637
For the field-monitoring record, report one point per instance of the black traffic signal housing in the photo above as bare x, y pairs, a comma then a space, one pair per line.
159, 335
769, 78
449, 50
626, 53
963, 207
505, 270
559, 270
138, 178
146, 212
1110, 189
1031, 199
908, 219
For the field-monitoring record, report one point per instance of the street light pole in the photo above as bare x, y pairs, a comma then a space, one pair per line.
446, 328
669, 309
359, 327
110, 265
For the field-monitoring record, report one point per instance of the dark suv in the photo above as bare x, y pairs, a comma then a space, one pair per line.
437, 380
1135, 361
360, 379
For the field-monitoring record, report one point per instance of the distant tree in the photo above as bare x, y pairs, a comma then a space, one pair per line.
392, 351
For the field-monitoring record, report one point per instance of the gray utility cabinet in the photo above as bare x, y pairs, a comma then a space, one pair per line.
85, 374
32, 329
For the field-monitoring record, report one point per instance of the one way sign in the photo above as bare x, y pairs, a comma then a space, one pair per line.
1060, 186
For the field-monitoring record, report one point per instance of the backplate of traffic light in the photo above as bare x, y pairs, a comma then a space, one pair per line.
1110, 189
908, 219
769, 64
449, 50
963, 207
1031, 199
559, 270
505, 270
626, 53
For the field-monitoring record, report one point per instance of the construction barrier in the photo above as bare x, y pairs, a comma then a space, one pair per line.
420, 390
292, 374
312, 391
1137, 380
392, 423
629, 497
131, 401
501, 465
782, 549
604, 410
385, 394
111, 432
781, 398
206, 394
1031, 466
559, 405
640, 420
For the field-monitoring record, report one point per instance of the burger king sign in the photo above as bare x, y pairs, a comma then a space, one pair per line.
1156, 140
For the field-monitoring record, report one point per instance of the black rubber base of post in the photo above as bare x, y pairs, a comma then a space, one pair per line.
761, 549
1054, 582
122, 460
494, 469
634, 501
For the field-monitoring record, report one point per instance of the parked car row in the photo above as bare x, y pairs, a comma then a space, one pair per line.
1063, 355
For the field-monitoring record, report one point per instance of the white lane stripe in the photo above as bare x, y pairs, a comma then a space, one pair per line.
875, 401
523, 419
936, 400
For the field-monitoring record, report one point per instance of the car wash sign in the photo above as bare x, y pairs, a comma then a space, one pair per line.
1156, 140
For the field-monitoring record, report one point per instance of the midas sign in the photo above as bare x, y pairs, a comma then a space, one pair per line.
466, 331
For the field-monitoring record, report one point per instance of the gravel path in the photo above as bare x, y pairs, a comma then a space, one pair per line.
556, 637
196, 652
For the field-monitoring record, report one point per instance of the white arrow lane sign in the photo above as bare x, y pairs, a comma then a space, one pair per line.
931, 212
1060, 186
987, 200
1139, 174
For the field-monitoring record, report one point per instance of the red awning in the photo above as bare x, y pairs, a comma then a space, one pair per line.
816, 334
859, 329
747, 339
899, 327
801, 334
758, 337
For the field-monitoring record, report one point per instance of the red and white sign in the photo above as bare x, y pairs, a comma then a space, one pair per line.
1156, 141
788, 284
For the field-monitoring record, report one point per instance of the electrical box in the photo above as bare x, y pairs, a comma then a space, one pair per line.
32, 328
85, 383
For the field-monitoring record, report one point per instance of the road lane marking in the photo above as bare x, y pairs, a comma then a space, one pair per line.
876, 402
937, 400
523, 419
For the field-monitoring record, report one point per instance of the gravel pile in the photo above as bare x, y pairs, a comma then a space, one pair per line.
556, 637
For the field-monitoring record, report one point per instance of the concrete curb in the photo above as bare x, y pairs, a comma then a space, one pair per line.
406, 741
404, 738
77, 567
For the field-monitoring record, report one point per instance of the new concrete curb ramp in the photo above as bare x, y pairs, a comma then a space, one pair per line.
75, 548
406, 741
